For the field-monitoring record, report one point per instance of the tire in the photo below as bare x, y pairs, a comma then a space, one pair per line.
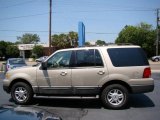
156, 60
21, 93
114, 96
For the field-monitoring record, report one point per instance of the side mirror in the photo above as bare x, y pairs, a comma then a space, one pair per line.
44, 65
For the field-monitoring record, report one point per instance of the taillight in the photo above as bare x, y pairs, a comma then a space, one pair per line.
147, 73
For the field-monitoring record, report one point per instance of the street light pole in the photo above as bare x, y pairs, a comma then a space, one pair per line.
50, 24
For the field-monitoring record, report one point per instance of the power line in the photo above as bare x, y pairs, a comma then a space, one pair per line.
41, 31
55, 31
39, 14
20, 31
33, 15
99, 33
18, 4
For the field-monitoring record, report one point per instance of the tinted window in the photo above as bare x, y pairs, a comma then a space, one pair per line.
122, 57
86, 58
98, 59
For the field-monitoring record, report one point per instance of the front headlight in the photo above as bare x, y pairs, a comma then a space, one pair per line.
7, 75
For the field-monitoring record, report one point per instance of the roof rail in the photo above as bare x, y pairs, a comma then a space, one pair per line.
125, 44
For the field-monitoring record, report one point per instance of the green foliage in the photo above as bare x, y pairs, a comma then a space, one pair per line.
87, 43
65, 40
28, 38
100, 42
12, 51
33, 56
38, 50
143, 35
3, 46
73, 38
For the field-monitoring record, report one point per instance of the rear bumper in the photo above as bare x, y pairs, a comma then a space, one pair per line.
142, 89
142, 85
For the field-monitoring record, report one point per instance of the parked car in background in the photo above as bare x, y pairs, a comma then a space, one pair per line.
41, 59
155, 58
13, 63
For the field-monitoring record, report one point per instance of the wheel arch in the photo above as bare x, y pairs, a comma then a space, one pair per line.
116, 82
19, 80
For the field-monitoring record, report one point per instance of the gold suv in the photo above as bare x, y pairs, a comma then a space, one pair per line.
110, 72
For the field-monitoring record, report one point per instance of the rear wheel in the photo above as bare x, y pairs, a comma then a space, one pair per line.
21, 93
114, 96
156, 59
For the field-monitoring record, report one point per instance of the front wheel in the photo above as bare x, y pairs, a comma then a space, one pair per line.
21, 93
114, 96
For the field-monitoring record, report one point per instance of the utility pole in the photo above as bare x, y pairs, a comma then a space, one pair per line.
157, 40
50, 24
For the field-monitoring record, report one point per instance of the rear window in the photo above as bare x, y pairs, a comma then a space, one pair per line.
122, 57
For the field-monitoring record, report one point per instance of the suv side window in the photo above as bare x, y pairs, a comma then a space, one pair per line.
60, 60
98, 59
88, 58
123, 57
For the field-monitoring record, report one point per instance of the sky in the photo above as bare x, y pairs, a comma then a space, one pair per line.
103, 19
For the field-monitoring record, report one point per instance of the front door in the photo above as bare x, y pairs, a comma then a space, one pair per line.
56, 79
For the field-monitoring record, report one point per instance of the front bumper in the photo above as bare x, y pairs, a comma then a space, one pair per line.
6, 84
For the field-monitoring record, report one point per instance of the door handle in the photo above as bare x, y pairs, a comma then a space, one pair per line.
63, 73
101, 72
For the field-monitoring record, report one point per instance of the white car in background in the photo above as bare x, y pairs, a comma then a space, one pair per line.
155, 58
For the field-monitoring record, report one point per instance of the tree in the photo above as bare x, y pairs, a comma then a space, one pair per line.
60, 41
38, 50
143, 35
100, 42
28, 38
73, 38
65, 40
87, 43
12, 51
3, 46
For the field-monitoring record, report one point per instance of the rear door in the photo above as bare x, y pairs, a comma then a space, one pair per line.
88, 69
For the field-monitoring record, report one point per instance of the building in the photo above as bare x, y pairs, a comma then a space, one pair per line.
27, 48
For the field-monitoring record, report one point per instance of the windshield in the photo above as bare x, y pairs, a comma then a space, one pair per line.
17, 61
